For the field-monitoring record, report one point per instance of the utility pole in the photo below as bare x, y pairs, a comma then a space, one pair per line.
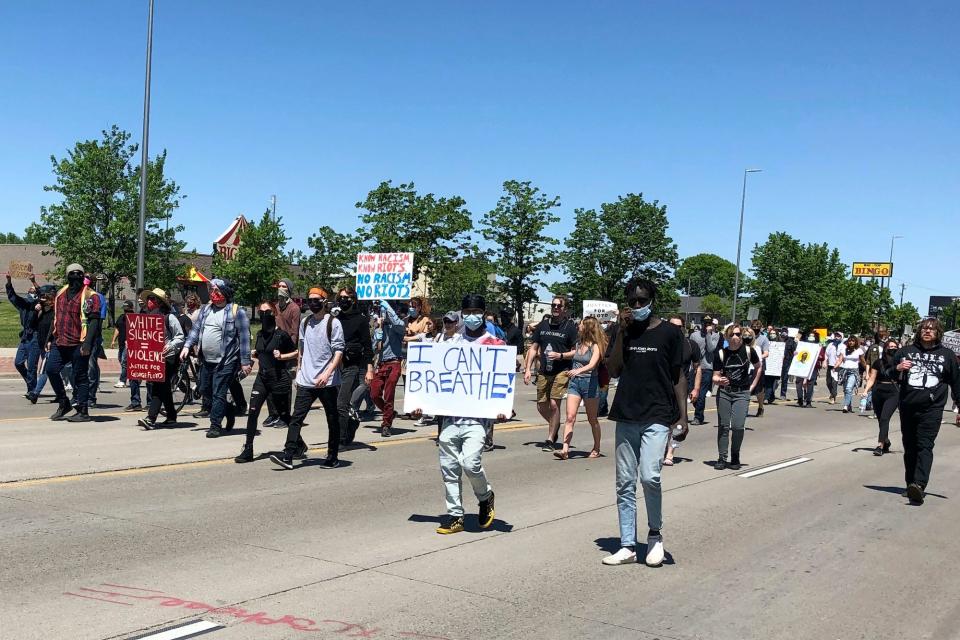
902, 287
144, 157
273, 207
736, 276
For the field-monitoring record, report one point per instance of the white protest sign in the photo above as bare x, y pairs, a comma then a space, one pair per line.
460, 379
775, 359
804, 360
384, 276
951, 340
792, 331
600, 310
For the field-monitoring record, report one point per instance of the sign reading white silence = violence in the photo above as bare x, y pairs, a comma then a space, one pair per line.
384, 276
460, 379
146, 337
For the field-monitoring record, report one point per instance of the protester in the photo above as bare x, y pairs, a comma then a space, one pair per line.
318, 378
389, 367
273, 348
883, 389
831, 357
222, 335
849, 360
76, 325
584, 384
708, 340
646, 355
513, 336
97, 354
28, 349
357, 361
761, 344
731, 372
161, 391
462, 437
42, 330
789, 349
805, 386
192, 303
927, 372
288, 320
771, 378
689, 367
553, 335
119, 342
419, 329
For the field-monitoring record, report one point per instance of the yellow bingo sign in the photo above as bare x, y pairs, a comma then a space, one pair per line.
872, 269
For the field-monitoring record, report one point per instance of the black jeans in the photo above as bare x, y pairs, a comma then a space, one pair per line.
919, 428
770, 386
831, 383
266, 389
706, 385
301, 406
56, 360
886, 398
350, 379
161, 393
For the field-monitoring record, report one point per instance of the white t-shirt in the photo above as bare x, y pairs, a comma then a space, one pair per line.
832, 354
849, 360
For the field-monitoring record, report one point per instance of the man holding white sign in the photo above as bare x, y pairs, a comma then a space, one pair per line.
472, 372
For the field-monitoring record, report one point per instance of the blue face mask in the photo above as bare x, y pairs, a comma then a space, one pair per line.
641, 314
412, 313
473, 321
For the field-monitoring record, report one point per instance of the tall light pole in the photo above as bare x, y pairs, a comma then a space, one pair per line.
892, 238
736, 275
273, 207
144, 155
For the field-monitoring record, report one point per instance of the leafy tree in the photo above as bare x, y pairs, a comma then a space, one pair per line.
706, 273
10, 238
96, 221
901, 316
515, 228
258, 263
854, 305
627, 238
716, 306
399, 219
334, 257
470, 274
949, 315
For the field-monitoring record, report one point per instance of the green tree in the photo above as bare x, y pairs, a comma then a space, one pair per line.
96, 221
399, 219
258, 263
333, 259
901, 316
706, 273
471, 273
516, 230
949, 315
716, 306
10, 238
627, 238
854, 304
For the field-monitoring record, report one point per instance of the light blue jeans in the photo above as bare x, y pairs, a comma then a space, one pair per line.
850, 383
640, 449
461, 445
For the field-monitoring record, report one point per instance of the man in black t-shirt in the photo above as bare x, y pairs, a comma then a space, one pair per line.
512, 334
549, 340
646, 354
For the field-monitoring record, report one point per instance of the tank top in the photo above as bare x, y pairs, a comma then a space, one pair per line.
582, 360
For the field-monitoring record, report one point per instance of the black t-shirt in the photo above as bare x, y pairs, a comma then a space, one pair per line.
691, 354
651, 359
735, 365
266, 343
513, 337
121, 325
560, 337
881, 368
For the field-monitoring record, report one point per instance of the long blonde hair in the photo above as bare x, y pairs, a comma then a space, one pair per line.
591, 333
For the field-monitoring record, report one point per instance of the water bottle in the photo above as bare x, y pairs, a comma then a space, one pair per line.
548, 367
863, 404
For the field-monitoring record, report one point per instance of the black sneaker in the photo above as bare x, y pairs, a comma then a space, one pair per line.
878, 451
488, 446
329, 463
449, 524
32, 397
487, 512
301, 452
147, 423
915, 493
734, 464
130, 408
886, 447
272, 420
246, 455
282, 459
62, 411
385, 432
214, 432
720, 464
202, 414
548, 445
80, 416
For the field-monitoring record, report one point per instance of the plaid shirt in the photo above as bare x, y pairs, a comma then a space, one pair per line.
236, 334
69, 326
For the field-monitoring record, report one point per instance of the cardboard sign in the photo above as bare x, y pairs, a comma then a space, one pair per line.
384, 276
951, 340
775, 359
460, 379
20, 269
804, 360
145, 340
599, 309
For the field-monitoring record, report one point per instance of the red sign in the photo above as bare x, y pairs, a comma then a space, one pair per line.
145, 340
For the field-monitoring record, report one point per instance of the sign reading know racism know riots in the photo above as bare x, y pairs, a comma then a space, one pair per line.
460, 379
774, 364
384, 276
600, 310
145, 341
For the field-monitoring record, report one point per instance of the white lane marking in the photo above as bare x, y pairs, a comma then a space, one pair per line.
188, 630
775, 467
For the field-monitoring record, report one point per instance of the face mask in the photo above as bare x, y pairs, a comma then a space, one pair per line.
748, 340
74, 279
473, 321
891, 352
812, 339
267, 321
217, 298
346, 303
641, 314
283, 293
315, 304
152, 305
412, 313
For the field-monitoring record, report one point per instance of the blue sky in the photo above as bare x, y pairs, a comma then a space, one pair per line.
851, 109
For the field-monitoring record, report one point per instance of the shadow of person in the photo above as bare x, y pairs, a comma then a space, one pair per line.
612, 545
470, 523
900, 490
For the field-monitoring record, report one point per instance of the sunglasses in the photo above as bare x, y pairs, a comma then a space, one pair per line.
557, 306
736, 333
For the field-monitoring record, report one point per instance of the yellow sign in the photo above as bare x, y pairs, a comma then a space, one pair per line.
872, 269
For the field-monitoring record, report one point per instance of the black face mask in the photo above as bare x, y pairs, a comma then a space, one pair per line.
75, 280
267, 321
748, 340
315, 304
345, 303
891, 352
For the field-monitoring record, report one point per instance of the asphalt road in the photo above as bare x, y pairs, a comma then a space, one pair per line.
113, 532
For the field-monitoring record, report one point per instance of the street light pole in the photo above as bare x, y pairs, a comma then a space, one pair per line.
144, 154
736, 275
892, 238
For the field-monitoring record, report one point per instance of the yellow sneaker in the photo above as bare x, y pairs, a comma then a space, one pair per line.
450, 525
486, 512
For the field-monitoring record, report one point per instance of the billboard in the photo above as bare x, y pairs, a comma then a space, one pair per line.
872, 269
937, 303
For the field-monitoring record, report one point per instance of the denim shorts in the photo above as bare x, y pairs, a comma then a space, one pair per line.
584, 386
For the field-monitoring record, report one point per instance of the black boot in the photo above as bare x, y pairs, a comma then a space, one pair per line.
62, 411
80, 416
246, 455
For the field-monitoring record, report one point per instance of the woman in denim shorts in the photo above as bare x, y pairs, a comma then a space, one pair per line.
586, 355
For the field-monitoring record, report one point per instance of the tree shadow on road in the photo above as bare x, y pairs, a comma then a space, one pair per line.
612, 545
470, 523
899, 491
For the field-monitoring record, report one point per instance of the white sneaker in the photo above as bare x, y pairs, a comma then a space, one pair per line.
119, 385
654, 551
624, 556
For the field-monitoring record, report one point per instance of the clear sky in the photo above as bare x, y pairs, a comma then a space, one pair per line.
851, 109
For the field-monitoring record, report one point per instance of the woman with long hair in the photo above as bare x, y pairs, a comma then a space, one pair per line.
731, 372
850, 359
584, 383
749, 340
886, 393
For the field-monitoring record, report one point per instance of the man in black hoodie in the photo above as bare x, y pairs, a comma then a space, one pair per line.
357, 360
927, 372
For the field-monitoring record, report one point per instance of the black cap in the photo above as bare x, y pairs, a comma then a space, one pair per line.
473, 301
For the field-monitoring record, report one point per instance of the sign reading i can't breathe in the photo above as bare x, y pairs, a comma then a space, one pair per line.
460, 379
384, 276
145, 341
